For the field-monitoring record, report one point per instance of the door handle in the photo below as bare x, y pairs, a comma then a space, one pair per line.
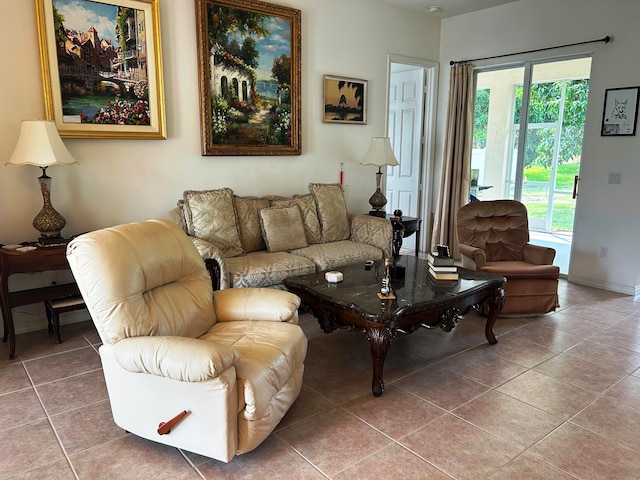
576, 179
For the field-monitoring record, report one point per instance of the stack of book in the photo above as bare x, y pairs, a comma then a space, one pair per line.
442, 268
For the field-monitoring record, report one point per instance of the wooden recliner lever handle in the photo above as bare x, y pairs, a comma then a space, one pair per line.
165, 427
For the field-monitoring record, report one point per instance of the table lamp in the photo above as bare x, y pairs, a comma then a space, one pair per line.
39, 144
379, 154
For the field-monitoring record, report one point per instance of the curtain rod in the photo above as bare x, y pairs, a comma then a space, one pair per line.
604, 39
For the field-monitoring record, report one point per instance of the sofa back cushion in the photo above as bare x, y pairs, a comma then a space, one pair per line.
332, 211
282, 229
248, 213
210, 215
309, 213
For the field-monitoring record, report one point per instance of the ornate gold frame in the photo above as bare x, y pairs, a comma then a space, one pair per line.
156, 129
224, 144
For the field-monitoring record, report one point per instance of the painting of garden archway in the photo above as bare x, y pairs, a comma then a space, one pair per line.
249, 66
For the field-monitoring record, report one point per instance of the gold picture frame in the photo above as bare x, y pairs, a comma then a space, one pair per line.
249, 59
345, 100
105, 84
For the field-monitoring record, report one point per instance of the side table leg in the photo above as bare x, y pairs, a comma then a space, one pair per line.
379, 340
495, 306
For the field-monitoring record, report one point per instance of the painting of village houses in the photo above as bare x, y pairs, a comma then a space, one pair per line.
102, 63
251, 87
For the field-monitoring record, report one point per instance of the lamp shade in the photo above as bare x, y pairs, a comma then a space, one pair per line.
40, 144
380, 153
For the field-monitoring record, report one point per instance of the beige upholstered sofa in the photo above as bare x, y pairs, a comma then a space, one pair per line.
230, 362
260, 241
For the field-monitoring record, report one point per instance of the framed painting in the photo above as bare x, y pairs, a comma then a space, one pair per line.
101, 67
620, 113
250, 86
345, 100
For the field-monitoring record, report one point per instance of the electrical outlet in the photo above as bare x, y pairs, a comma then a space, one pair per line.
615, 178
604, 251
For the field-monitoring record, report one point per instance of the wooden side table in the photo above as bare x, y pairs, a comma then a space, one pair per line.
35, 261
411, 226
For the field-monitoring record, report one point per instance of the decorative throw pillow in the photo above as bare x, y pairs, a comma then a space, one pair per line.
307, 206
282, 229
332, 211
209, 214
248, 212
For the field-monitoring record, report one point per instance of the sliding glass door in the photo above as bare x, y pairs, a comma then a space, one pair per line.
528, 129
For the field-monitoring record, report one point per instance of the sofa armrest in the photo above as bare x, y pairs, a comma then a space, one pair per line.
376, 231
538, 255
256, 304
180, 358
472, 257
209, 251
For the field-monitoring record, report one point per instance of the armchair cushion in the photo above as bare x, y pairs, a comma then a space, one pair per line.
210, 214
332, 211
282, 229
165, 357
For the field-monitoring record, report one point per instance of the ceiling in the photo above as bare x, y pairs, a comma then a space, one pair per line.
448, 8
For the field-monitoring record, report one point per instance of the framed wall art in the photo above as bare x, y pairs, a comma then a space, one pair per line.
345, 100
620, 113
102, 67
250, 77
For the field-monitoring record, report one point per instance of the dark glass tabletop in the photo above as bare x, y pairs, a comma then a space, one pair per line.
358, 290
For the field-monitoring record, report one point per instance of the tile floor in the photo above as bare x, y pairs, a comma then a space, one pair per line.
557, 398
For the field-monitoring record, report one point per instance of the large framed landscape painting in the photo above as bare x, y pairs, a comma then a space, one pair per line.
250, 86
102, 67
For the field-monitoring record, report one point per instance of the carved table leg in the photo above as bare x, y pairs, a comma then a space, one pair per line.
495, 305
379, 339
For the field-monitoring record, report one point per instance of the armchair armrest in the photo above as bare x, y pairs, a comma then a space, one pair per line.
183, 359
372, 230
472, 257
256, 304
538, 255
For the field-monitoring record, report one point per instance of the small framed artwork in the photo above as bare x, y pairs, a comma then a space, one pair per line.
620, 113
250, 77
102, 67
345, 100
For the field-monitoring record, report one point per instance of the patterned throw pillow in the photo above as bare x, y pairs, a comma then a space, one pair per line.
282, 229
307, 206
210, 215
248, 211
332, 211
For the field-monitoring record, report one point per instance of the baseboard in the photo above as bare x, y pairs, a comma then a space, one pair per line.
604, 285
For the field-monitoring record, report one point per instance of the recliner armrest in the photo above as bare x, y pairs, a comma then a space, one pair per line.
256, 304
476, 256
538, 255
183, 359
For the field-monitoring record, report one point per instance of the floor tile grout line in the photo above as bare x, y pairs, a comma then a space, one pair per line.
301, 455
53, 428
191, 463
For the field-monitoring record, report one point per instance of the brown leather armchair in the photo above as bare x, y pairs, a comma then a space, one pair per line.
494, 237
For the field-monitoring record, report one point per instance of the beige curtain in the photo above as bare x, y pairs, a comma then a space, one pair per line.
456, 167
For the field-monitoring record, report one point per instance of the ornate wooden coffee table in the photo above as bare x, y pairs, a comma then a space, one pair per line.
354, 304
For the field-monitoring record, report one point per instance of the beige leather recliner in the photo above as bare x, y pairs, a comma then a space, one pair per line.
231, 359
493, 237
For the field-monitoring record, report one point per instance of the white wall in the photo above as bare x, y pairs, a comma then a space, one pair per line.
121, 181
606, 215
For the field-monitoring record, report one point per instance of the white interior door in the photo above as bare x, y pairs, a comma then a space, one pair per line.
405, 131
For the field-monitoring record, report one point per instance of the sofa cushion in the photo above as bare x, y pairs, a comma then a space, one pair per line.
264, 269
282, 228
210, 215
307, 206
336, 254
248, 213
332, 211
